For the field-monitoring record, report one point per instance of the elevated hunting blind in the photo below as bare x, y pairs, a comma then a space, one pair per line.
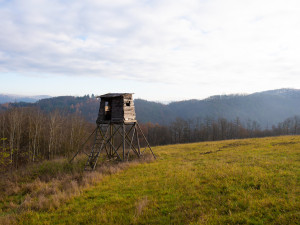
117, 133
116, 108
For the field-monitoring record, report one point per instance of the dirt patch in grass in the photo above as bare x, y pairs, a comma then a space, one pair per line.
141, 205
284, 143
235, 144
209, 152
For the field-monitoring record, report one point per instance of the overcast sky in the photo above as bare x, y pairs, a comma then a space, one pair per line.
159, 50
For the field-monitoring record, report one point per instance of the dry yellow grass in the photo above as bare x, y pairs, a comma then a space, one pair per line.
48, 191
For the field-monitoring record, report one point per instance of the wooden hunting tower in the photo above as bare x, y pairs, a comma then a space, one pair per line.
118, 132
116, 108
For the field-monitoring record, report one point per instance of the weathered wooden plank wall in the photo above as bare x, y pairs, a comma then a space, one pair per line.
122, 109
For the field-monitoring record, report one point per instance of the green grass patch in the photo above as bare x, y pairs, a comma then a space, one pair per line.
251, 181
16, 185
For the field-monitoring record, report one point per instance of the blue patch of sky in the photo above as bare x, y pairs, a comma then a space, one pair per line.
4, 2
82, 37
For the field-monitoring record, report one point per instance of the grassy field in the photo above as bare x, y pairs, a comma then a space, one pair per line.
250, 181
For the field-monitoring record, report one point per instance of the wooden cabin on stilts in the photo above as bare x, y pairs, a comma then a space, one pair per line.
117, 135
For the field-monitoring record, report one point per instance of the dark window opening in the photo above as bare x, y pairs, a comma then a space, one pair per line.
107, 110
128, 103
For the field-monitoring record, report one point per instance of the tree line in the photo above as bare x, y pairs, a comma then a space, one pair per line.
29, 135
209, 129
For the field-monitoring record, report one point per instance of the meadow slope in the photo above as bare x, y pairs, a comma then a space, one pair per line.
250, 181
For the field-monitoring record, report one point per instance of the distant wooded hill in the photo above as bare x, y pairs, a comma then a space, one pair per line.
4, 98
267, 108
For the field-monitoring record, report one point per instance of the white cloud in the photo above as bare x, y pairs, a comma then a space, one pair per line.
220, 44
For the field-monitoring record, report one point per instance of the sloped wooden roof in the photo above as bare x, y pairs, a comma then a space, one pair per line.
113, 95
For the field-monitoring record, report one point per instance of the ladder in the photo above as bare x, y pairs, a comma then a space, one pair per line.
94, 154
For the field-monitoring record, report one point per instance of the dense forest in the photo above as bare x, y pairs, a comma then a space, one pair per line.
30, 135
209, 129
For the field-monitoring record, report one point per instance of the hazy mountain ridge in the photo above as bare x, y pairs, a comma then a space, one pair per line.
267, 108
5, 98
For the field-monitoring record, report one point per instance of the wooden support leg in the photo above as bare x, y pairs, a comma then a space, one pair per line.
146, 140
124, 142
131, 142
80, 149
127, 139
111, 139
137, 139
